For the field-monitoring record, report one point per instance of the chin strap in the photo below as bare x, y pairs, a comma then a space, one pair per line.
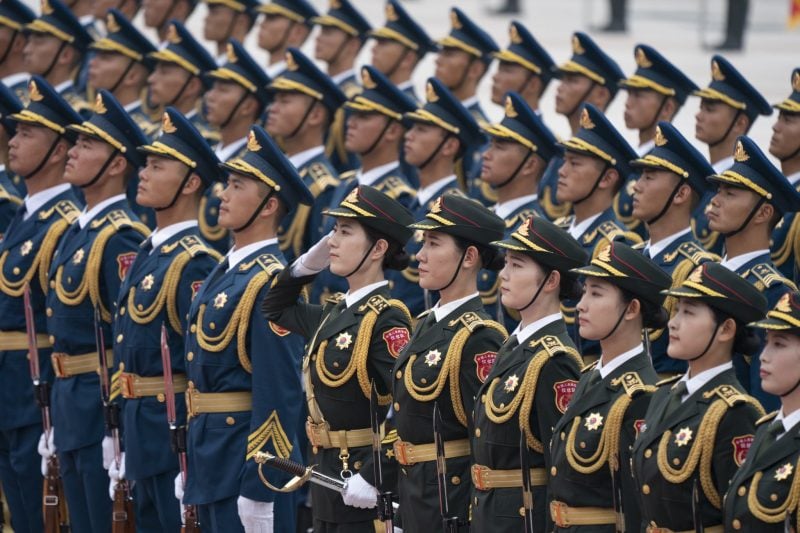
183, 88
516, 171
667, 204
535, 296
728, 131
394, 68
235, 108
100, 172
710, 341
9, 47
185, 179
55, 59
458, 269
122, 77
619, 321
606, 166
658, 112
463, 79
582, 99
436, 151
761, 200
167, 14
255, 213
300, 124
44, 159
361, 263
378, 138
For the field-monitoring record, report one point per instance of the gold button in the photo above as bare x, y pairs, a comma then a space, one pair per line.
563, 435
190, 383
455, 480
52, 340
646, 489
676, 461
553, 471
423, 381
736, 524
212, 325
399, 374
648, 453
160, 397
49, 311
190, 356
742, 491
15, 270
483, 398
396, 406
122, 311
773, 497
336, 364
230, 421
69, 280
582, 445
357, 465
53, 284
193, 329
120, 337
477, 432
140, 307
522, 511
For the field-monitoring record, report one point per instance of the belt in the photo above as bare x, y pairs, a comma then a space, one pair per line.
321, 436
485, 478
653, 528
216, 402
18, 340
136, 386
565, 516
408, 454
65, 365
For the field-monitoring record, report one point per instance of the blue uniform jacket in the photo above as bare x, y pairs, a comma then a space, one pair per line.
9, 201
785, 245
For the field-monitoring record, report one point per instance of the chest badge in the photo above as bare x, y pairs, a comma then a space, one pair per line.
147, 282
220, 300
78, 257
593, 421
344, 340
26, 247
683, 437
433, 357
784, 472
511, 383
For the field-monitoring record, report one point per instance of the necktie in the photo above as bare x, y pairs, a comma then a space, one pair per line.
774, 431
675, 398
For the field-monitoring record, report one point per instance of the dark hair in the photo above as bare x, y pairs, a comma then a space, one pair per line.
746, 341
653, 316
491, 258
396, 257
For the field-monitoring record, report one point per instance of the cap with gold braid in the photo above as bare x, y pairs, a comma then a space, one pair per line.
526, 51
380, 96
376, 210
9, 105
183, 50
730, 87
599, 138
785, 316
546, 243
521, 125
47, 108
180, 140
295, 10
792, 103
15, 14
590, 61
123, 38
240, 6
303, 76
464, 218
467, 36
723, 289
242, 69
654, 72
444, 110
57, 20
400, 27
343, 15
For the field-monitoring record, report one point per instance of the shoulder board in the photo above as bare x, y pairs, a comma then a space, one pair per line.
67, 210
470, 320
768, 276
117, 218
669, 380
639, 246
610, 230
347, 175
766, 418
729, 394
564, 222
552, 345
520, 216
424, 314
334, 298
390, 437
695, 253
269, 264
589, 367
193, 245
632, 383
395, 186
319, 171
376, 303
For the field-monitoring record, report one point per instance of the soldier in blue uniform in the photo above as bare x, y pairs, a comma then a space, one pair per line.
465, 56
435, 144
589, 77
236, 101
520, 149
244, 391
168, 270
9, 196
759, 497
305, 100
14, 15
85, 276
343, 32
179, 77
785, 145
226, 20
286, 24
56, 45
672, 182
656, 92
728, 108
37, 152
596, 165
751, 197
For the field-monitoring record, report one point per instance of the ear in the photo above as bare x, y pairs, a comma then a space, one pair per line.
535, 165
451, 147
726, 331
764, 214
477, 69
298, 33
600, 97
742, 124
472, 259
19, 43
394, 132
67, 56
379, 249
59, 154
193, 184
270, 208
633, 310
249, 106
553, 282
317, 115
409, 60
118, 166
609, 179
669, 109
683, 196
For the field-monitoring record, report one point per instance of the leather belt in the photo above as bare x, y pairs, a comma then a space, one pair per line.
65, 365
136, 386
485, 478
216, 402
321, 436
408, 454
653, 528
18, 340
565, 516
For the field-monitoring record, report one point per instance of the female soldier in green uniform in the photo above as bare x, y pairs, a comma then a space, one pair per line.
767, 488
355, 340
699, 430
533, 379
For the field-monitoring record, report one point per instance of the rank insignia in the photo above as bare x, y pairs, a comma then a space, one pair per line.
511, 383
147, 282
78, 257
26, 248
741, 445
220, 300
784, 472
344, 340
593, 421
433, 357
683, 437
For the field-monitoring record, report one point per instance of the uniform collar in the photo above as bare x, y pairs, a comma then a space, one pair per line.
695, 383
236, 256
162, 235
424, 194
339, 78
506, 208
16, 78
63, 86
789, 421
618, 361
301, 158
354, 297
576, 230
735, 263
87, 215
371, 176
793, 178
132, 106
405, 85
224, 153
645, 147
276, 69
722, 165
34, 202
525, 333
441, 311
653, 249
469, 102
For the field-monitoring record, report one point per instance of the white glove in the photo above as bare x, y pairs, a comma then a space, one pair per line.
179, 489
315, 260
256, 517
46, 448
359, 493
115, 474
108, 452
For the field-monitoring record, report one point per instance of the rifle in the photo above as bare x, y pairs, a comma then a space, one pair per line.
122, 516
54, 505
385, 510
191, 524
697, 509
527, 494
449, 523
616, 492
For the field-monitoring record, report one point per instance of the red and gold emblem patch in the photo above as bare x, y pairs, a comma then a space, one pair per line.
124, 262
396, 339
639, 426
564, 391
484, 363
741, 445
278, 330
196, 287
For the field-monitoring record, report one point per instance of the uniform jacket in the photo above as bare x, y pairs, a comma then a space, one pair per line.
785, 245
10, 200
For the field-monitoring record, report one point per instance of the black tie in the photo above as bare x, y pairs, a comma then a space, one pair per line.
675, 398
427, 322
774, 430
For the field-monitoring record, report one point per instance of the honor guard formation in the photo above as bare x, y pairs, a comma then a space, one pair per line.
302, 296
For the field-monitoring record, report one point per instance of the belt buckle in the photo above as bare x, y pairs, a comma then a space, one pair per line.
480, 474
189, 394
400, 449
58, 365
558, 510
127, 385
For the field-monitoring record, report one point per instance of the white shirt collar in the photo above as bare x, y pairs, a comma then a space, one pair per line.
618, 361
276, 69
405, 85
472, 100
162, 235
642, 149
506, 208
653, 249
793, 178
17, 77
441, 311
788, 421
132, 105
301, 158
237, 256
576, 230
221, 59
63, 86
424, 194
695, 383
734, 263
525, 333
722, 165
34, 202
89, 214
354, 297
371, 176
224, 153
339, 78
86, 20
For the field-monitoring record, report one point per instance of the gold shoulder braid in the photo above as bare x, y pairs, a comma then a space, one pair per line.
451, 365
292, 237
208, 231
358, 361
239, 322
790, 245
167, 294
702, 450
773, 515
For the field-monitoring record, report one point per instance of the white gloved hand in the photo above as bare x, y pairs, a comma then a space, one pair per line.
115, 474
256, 517
46, 448
179, 489
108, 452
359, 493
315, 260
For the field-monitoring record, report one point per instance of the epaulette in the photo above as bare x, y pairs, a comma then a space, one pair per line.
470, 320
695, 253
632, 383
118, 218
424, 314
334, 298
767, 276
667, 381
67, 210
610, 230
639, 246
731, 395
376, 303
520, 216
390, 437
269, 264
589, 367
344, 176
394, 186
552, 345
318, 172
193, 245
766, 418
564, 222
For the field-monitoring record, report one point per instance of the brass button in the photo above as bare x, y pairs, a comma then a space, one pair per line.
582, 445
160, 397
424, 381
53, 284
140, 307
553, 471
193, 328
563, 435
190, 383
336, 364
676, 461
455, 480
357, 465
477, 432
475, 501
122, 311
773, 497
483, 398
742, 491
522, 511
396, 406
49, 311
230, 421
212, 325
648, 453
399, 374
190, 356
15, 270
645, 489
736, 524
120, 337
52, 340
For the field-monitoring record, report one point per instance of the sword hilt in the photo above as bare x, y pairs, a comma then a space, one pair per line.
287, 465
